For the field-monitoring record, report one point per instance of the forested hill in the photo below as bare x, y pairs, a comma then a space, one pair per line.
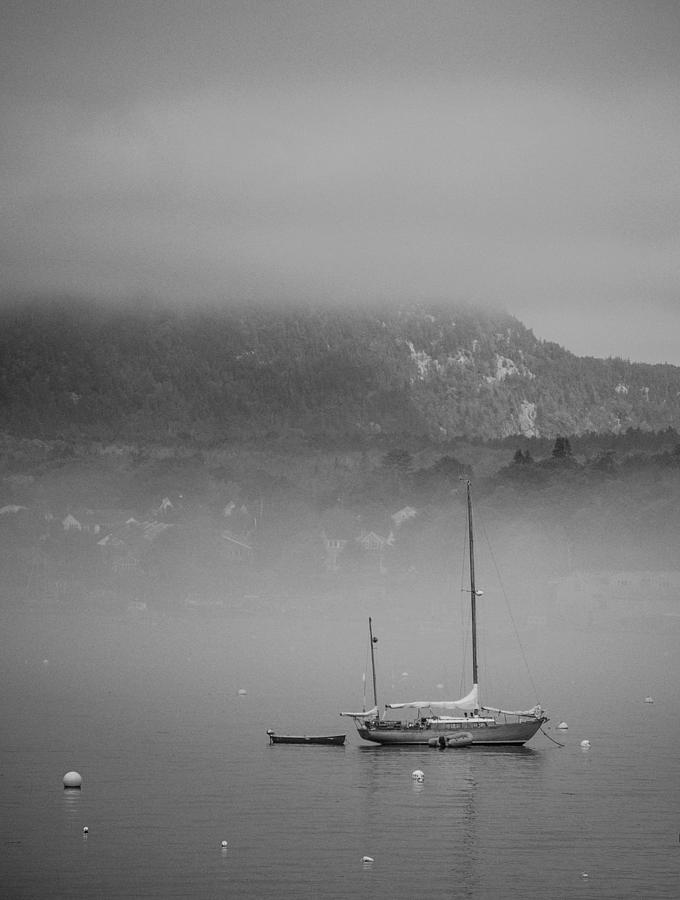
147, 371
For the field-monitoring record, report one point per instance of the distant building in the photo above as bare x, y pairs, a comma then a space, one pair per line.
403, 515
338, 528
70, 523
236, 549
375, 546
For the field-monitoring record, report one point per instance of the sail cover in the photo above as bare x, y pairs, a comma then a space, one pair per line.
369, 713
535, 711
468, 702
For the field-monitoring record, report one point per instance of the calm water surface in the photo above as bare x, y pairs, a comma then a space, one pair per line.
146, 706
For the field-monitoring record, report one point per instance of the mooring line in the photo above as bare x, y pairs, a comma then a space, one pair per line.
552, 738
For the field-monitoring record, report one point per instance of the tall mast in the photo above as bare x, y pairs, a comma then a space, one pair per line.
473, 589
373, 641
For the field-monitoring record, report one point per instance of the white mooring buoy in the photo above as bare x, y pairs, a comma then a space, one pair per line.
563, 726
72, 780
418, 775
367, 859
585, 744
85, 829
224, 844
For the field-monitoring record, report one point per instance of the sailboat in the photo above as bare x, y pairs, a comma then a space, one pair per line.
450, 723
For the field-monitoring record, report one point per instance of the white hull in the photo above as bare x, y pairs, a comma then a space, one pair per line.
483, 733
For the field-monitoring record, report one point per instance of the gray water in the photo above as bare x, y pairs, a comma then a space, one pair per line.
146, 706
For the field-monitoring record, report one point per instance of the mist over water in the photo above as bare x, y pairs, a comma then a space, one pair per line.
145, 704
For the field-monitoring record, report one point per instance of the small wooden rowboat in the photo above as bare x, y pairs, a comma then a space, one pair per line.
336, 740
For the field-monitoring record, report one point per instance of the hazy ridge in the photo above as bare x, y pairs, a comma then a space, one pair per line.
275, 434
315, 375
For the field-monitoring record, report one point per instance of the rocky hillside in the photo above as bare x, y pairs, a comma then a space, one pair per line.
309, 375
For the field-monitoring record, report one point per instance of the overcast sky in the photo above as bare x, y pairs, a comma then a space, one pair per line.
524, 154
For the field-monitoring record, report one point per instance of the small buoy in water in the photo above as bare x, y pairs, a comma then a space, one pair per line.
367, 859
585, 744
46, 662
224, 843
404, 674
649, 699
440, 687
242, 692
72, 780
418, 775
85, 829
563, 725
584, 874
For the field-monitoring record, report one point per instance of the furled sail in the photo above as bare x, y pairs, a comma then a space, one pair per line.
468, 702
368, 714
535, 711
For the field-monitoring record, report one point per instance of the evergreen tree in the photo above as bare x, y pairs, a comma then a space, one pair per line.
522, 458
562, 448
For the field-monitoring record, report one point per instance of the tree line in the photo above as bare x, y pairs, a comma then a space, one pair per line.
306, 375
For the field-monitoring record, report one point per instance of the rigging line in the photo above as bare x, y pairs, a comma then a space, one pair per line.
507, 603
